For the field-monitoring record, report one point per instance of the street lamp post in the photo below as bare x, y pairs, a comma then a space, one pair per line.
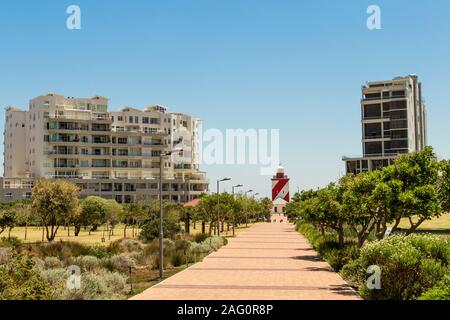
161, 232
254, 197
246, 214
218, 200
232, 191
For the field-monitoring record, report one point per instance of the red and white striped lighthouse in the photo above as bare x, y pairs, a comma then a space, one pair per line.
280, 185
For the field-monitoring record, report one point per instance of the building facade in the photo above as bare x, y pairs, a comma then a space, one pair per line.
393, 121
115, 155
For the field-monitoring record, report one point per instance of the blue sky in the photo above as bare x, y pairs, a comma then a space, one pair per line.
293, 65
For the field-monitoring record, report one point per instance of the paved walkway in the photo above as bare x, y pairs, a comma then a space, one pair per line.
269, 261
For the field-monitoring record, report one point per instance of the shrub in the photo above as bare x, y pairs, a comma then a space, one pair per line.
52, 262
94, 286
215, 242
87, 263
11, 242
122, 262
328, 246
62, 250
20, 281
56, 278
150, 230
104, 286
410, 265
5, 255
441, 291
200, 237
130, 245
177, 258
99, 251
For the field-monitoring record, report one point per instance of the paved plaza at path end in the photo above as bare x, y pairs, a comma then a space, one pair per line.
269, 261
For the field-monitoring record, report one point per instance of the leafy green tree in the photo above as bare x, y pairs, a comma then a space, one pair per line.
93, 213
358, 206
8, 220
423, 188
130, 214
54, 202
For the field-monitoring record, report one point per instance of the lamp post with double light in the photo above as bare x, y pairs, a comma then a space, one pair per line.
218, 201
161, 232
246, 214
232, 192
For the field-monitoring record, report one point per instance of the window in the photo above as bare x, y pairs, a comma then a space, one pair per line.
130, 119
119, 118
145, 120
372, 130
372, 111
373, 95
400, 93
372, 148
26, 195
8, 195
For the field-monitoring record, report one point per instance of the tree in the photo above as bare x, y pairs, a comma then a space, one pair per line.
171, 218
130, 214
8, 219
54, 202
266, 208
93, 213
358, 206
113, 214
423, 184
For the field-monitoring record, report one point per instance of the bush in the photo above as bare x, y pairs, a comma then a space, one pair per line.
99, 251
328, 246
20, 281
215, 242
441, 291
63, 250
200, 237
86, 263
94, 286
52, 262
130, 245
177, 258
125, 245
410, 265
11, 242
103, 286
5, 255
122, 262
150, 230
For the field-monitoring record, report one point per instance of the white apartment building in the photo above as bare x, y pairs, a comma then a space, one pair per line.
393, 120
115, 155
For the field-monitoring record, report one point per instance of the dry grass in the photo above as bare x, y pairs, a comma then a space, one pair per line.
441, 223
34, 234
226, 233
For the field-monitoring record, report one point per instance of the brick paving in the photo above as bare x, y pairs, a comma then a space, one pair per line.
269, 261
